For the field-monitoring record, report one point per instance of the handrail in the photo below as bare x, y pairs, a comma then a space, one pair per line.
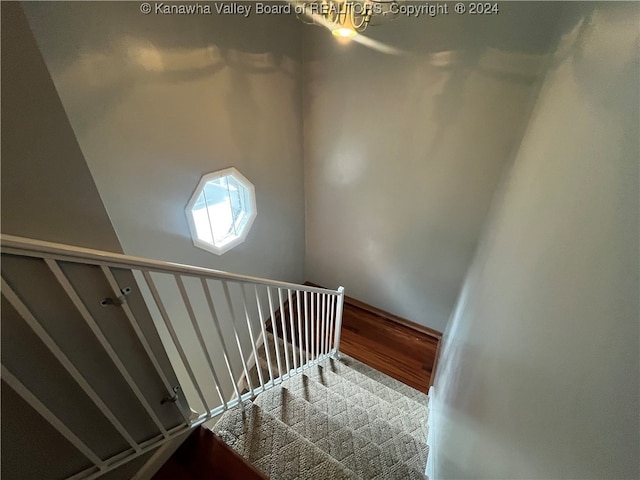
35, 248
231, 310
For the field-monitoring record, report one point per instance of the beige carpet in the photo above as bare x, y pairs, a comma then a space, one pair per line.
338, 420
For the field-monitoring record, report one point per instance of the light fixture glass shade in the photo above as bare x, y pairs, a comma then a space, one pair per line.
347, 18
343, 26
344, 32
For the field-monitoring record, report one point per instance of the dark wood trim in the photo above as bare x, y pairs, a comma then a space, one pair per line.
386, 315
393, 318
435, 364
205, 455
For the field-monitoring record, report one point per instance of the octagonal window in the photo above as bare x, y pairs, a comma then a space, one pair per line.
221, 210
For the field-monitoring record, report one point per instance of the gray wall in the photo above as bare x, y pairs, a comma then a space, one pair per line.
540, 367
48, 192
404, 150
157, 101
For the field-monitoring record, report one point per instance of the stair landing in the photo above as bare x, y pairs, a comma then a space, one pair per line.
392, 345
395, 346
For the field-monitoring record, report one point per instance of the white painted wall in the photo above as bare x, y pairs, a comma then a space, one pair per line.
404, 150
539, 373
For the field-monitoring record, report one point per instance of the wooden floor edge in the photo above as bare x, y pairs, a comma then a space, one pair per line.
386, 315
250, 470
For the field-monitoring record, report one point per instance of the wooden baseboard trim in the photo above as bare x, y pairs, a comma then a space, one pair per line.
393, 318
386, 315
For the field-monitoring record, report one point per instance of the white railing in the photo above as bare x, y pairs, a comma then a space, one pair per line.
212, 326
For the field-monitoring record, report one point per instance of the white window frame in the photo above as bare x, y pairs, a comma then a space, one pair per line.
247, 217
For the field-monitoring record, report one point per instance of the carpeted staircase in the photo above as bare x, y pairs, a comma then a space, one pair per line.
337, 420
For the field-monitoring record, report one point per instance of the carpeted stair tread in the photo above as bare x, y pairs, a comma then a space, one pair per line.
376, 388
337, 419
393, 391
345, 361
391, 437
358, 453
416, 426
378, 383
392, 383
278, 451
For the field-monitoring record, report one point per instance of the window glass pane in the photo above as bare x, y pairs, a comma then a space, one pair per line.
222, 210
215, 193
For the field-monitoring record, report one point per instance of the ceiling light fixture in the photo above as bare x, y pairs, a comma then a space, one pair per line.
347, 18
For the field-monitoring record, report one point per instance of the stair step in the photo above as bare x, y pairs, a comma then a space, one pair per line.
276, 450
358, 453
378, 384
407, 421
346, 361
338, 419
367, 422
392, 383
377, 388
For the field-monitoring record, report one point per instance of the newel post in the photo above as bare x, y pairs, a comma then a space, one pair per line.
335, 353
